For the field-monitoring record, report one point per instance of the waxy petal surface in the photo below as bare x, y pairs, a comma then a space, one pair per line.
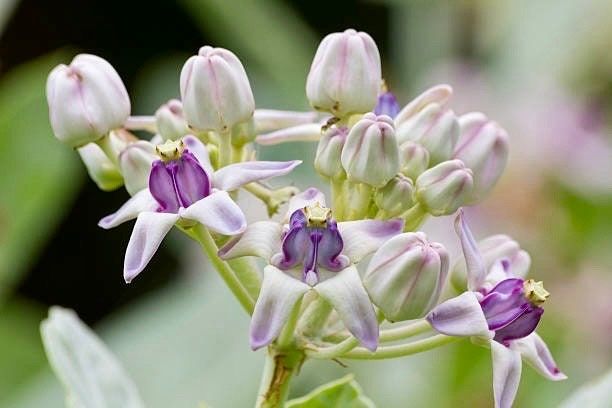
535, 353
149, 231
199, 150
460, 316
476, 273
279, 294
218, 212
231, 177
506, 374
262, 239
141, 201
349, 298
362, 238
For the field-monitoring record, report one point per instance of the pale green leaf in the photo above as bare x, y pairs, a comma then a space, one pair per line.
341, 393
595, 394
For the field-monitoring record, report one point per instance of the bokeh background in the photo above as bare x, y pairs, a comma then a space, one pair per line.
542, 69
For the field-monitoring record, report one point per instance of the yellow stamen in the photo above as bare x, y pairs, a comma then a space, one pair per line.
317, 215
170, 150
535, 292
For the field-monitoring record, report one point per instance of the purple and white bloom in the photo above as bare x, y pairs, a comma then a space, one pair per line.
504, 317
183, 188
312, 252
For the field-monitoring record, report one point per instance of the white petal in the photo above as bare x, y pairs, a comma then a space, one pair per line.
218, 212
141, 201
279, 294
460, 316
231, 177
149, 231
535, 353
262, 239
361, 238
306, 198
506, 374
476, 272
348, 296
199, 150
310, 132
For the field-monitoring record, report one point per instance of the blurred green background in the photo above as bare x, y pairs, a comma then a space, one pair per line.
542, 69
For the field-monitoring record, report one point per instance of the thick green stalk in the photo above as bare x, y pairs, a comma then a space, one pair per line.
279, 368
400, 350
202, 235
399, 333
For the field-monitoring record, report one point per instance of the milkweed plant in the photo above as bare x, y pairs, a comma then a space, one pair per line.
348, 276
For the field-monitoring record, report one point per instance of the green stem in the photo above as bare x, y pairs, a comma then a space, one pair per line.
359, 200
279, 369
225, 149
400, 350
314, 317
399, 333
414, 217
287, 336
338, 201
202, 235
105, 144
248, 274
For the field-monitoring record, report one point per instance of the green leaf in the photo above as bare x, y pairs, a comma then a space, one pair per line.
90, 372
595, 394
40, 176
342, 393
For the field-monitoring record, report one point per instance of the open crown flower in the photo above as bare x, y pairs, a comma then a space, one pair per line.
183, 188
312, 252
501, 311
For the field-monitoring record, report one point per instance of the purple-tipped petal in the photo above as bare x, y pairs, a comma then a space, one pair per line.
149, 231
506, 374
387, 105
197, 148
362, 238
309, 132
218, 212
141, 201
162, 187
236, 175
262, 239
535, 353
306, 198
330, 247
476, 273
279, 294
460, 316
347, 295
192, 183
521, 327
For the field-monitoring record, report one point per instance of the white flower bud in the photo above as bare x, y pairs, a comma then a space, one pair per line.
215, 90
427, 121
396, 196
406, 275
483, 147
86, 100
345, 75
442, 189
371, 154
414, 159
170, 120
100, 168
135, 163
327, 160
493, 249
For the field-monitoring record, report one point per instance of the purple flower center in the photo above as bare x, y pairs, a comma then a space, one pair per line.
512, 308
387, 105
178, 180
313, 240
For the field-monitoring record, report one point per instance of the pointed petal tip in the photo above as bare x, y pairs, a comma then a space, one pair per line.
257, 343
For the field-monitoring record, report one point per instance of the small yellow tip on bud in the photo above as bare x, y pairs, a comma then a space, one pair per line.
170, 150
317, 215
535, 292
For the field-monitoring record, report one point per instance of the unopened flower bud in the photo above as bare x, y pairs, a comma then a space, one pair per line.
406, 275
371, 154
345, 74
442, 189
215, 90
170, 120
483, 147
396, 196
327, 160
86, 100
414, 159
100, 168
493, 249
430, 123
387, 105
135, 163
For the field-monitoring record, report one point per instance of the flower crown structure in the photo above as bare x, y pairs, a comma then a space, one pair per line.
343, 276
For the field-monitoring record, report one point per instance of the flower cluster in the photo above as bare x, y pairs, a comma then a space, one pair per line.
334, 271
